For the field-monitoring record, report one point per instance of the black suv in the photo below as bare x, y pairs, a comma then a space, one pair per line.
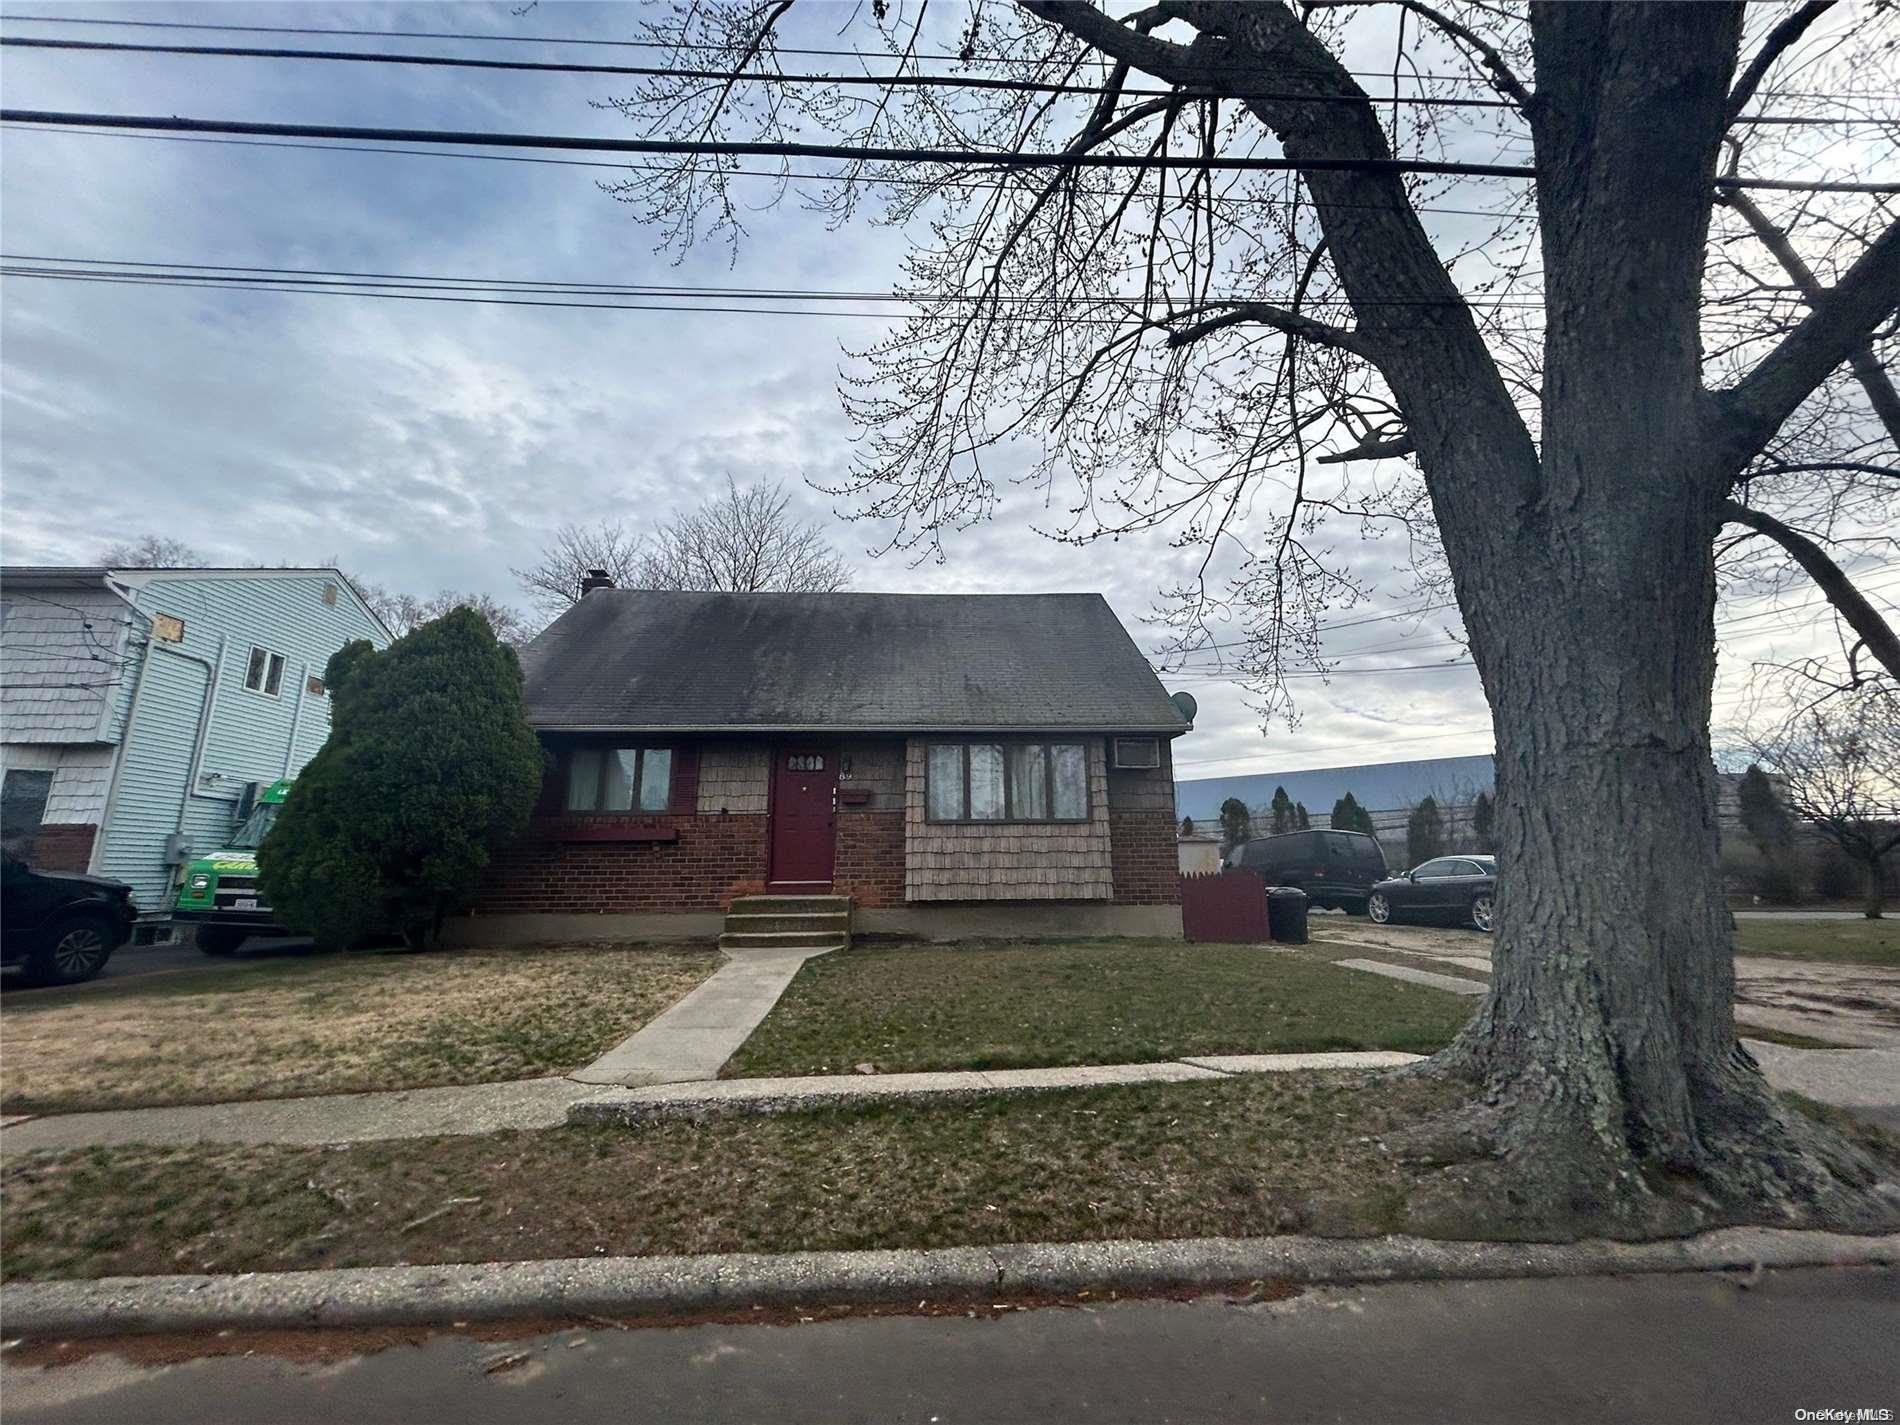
62, 927
1336, 869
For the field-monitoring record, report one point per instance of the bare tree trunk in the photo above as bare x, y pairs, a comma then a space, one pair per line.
1615, 1091
1876, 887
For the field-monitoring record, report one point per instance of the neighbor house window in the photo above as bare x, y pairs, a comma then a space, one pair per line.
620, 779
265, 673
1007, 781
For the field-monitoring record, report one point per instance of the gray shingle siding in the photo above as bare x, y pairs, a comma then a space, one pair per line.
64, 655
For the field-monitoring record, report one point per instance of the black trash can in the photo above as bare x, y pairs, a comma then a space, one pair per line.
1286, 914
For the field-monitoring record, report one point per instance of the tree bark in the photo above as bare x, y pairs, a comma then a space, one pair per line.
1612, 1091
1612, 1075
1876, 888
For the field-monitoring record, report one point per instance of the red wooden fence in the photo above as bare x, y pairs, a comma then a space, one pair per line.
1228, 906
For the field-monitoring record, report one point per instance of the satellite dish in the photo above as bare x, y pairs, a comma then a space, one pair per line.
1185, 705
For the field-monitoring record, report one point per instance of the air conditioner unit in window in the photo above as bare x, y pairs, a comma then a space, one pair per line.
1138, 752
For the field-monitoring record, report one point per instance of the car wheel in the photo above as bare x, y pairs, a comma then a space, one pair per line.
1481, 913
1379, 908
78, 950
219, 939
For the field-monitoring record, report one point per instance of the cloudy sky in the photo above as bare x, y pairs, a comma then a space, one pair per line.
429, 446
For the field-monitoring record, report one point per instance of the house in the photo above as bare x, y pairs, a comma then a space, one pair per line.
138, 707
950, 764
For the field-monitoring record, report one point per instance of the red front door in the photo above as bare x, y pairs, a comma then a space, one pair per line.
804, 816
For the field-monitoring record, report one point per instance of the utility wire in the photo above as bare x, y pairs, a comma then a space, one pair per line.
690, 46
1731, 622
319, 276
879, 81
1001, 158
654, 71
781, 175
861, 153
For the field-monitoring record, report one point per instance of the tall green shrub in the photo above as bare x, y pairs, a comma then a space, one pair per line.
1425, 832
1348, 815
1236, 823
1483, 823
1282, 811
430, 768
1301, 821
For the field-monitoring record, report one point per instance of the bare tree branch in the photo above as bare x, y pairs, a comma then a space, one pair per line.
1842, 320
1773, 47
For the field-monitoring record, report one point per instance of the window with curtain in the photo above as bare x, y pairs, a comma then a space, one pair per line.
1007, 781
620, 779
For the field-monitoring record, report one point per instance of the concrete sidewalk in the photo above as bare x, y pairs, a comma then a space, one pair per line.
733, 1097
692, 1040
550, 1103
1864, 1080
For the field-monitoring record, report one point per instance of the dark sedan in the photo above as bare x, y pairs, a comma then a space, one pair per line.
1455, 888
61, 927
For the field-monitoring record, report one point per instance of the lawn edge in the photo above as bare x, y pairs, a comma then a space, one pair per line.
627, 1287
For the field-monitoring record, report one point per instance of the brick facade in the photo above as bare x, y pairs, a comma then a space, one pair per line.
62, 846
713, 859
1147, 868
870, 865
714, 843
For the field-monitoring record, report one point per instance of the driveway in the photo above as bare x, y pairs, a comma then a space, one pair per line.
1843, 1004
133, 961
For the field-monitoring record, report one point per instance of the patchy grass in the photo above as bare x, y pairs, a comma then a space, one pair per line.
1249, 1156
994, 1005
1844, 942
332, 1024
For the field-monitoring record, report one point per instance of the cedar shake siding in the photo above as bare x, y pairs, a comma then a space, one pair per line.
1005, 860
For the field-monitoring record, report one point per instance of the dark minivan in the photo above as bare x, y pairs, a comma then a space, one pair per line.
1336, 869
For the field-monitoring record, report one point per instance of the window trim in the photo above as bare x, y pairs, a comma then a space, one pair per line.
1049, 744
640, 749
272, 658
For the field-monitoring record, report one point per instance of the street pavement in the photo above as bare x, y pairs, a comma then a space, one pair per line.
1679, 1348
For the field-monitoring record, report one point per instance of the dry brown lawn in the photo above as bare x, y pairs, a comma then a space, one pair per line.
332, 1024
1258, 1154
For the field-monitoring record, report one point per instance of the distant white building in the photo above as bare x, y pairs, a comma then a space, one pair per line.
1199, 853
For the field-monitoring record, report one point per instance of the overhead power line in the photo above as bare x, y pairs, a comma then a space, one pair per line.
870, 81
861, 153
321, 276
699, 47
780, 175
999, 158
660, 71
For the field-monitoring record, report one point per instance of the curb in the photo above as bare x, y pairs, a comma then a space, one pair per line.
625, 1287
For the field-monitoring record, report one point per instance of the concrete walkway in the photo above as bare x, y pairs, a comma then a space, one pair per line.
732, 1097
550, 1103
692, 1040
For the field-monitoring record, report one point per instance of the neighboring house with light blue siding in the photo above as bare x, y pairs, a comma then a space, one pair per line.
137, 706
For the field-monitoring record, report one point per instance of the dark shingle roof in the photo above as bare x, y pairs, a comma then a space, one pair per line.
635, 658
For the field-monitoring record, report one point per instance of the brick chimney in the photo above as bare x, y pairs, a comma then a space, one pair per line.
596, 579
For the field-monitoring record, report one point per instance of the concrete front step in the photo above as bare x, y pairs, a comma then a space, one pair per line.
790, 905
824, 923
785, 940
